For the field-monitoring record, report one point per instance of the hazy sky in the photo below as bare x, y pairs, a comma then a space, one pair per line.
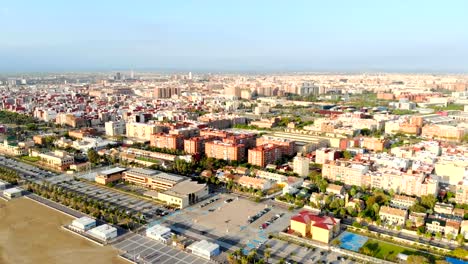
234, 35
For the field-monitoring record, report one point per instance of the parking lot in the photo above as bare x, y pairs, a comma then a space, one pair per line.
294, 253
145, 250
28, 171
227, 222
128, 202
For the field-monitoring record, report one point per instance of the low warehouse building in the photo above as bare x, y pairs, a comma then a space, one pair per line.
184, 194
83, 224
4, 185
159, 233
110, 175
103, 232
13, 193
204, 249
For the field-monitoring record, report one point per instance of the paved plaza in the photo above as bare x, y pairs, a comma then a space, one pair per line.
227, 222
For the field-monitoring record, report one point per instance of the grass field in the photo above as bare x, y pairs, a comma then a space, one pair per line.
387, 251
31, 233
30, 159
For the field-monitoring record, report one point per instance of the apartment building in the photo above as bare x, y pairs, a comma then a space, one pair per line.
408, 183
186, 132
301, 165
264, 154
374, 144
348, 172
196, 145
435, 225
461, 193
287, 146
141, 131
451, 171
152, 179
226, 151
403, 201
443, 132
323, 155
115, 128
393, 216
168, 141
216, 133
248, 140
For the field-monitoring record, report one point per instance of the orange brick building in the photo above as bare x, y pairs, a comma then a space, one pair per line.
196, 145
226, 151
161, 140
265, 154
443, 132
287, 146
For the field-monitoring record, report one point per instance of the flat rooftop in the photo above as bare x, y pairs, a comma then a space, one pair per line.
113, 171
185, 188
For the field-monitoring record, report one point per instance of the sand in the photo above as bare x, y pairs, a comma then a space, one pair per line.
31, 233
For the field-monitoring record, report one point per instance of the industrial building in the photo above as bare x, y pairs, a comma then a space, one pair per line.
13, 193
204, 249
83, 224
103, 232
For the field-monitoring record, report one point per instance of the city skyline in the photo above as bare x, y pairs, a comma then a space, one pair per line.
234, 37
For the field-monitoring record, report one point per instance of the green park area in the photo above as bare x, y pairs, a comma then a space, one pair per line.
30, 159
388, 251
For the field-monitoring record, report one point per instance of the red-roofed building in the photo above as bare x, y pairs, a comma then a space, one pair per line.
319, 228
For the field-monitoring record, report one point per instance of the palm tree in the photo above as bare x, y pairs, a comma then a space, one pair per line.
267, 255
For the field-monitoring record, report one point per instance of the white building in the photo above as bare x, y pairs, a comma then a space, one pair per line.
204, 249
4, 185
103, 232
115, 128
13, 193
301, 165
83, 224
88, 143
159, 233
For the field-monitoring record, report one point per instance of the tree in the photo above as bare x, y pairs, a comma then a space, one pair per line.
449, 236
267, 255
347, 154
460, 253
428, 201
93, 156
460, 239
415, 259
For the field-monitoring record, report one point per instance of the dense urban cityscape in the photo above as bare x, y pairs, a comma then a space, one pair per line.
237, 168
233, 132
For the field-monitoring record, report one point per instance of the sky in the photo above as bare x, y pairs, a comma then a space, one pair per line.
237, 35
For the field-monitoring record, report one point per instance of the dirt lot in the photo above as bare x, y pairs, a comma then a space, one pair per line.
31, 233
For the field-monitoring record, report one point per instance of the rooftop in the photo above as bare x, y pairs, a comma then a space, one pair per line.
113, 171
203, 245
185, 188
392, 211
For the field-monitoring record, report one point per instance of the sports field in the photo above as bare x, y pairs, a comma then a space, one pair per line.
31, 233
